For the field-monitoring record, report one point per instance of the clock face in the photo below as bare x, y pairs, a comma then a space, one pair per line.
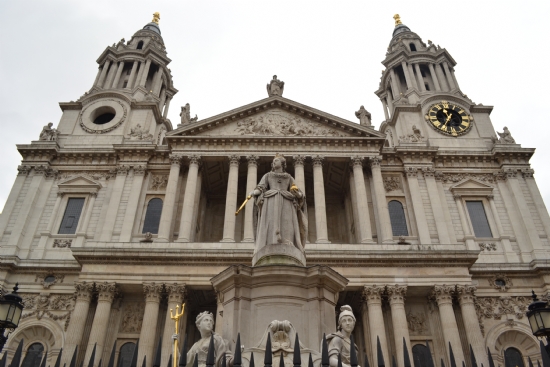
449, 118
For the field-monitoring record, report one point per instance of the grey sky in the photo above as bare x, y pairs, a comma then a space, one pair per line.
223, 54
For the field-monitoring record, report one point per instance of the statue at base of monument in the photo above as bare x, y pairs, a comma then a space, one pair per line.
280, 215
339, 342
205, 324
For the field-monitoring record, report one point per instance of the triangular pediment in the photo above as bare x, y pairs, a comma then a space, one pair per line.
275, 117
78, 184
472, 187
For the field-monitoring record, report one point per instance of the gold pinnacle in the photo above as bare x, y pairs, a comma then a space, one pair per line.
156, 17
397, 19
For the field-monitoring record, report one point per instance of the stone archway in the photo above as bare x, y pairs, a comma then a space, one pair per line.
519, 336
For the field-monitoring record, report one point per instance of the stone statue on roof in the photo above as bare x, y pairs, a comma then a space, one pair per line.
275, 87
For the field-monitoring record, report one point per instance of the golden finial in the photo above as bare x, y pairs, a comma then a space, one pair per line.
397, 19
156, 17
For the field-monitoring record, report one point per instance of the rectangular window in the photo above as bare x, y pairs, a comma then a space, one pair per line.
71, 216
479, 219
125, 84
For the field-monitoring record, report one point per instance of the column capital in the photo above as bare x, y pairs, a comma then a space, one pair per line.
490, 197
428, 171
176, 292
457, 196
411, 171
122, 170
299, 160
317, 160
252, 160
195, 159
83, 291
375, 161
106, 291
396, 293
152, 292
175, 159
357, 161
466, 293
527, 172
23, 170
372, 294
443, 294
234, 160
140, 169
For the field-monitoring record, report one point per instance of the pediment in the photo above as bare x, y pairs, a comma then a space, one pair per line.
78, 184
471, 187
275, 117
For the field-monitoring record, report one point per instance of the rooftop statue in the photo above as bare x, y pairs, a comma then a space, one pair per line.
156, 17
506, 137
339, 342
48, 133
205, 324
364, 116
275, 87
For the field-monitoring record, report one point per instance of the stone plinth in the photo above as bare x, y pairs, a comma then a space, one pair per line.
252, 297
279, 253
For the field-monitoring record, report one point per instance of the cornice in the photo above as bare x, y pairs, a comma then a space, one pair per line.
111, 52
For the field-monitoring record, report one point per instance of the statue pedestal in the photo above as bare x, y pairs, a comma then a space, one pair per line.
279, 254
252, 297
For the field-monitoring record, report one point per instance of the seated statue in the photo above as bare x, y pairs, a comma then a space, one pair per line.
205, 324
339, 342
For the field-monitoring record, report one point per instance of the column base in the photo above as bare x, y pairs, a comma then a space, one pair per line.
323, 241
160, 240
182, 240
248, 240
228, 240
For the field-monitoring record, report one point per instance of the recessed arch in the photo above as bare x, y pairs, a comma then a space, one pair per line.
503, 336
44, 331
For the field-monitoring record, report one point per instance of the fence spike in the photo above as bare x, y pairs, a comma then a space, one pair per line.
379, 354
92, 357
73, 359
324, 352
545, 357
112, 356
210, 359
144, 363
42, 364
281, 360
268, 357
472, 357
490, 358
352, 353
339, 360
57, 362
310, 361
297, 358
183, 354
133, 361
366, 360
530, 361
442, 364
406, 359
170, 361
251, 364
452, 356
237, 359
156, 361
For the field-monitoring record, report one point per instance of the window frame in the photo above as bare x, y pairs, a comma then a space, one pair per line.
61, 215
488, 214
404, 206
147, 199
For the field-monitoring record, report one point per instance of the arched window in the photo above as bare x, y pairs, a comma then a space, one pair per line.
140, 45
413, 47
421, 355
34, 355
125, 355
152, 216
513, 358
397, 218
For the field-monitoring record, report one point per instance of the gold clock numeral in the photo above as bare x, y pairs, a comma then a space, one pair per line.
436, 123
453, 131
445, 104
461, 112
438, 107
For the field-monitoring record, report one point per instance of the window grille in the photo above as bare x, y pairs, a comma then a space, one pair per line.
479, 219
71, 216
397, 218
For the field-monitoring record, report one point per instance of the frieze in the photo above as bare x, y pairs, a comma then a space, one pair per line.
457, 177
416, 322
93, 175
132, 318
62, 243
487, 246
158, 182
415, 137
56, 307
498, 307
391, 183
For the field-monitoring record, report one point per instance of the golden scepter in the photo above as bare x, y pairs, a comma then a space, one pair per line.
176, 318
242, 206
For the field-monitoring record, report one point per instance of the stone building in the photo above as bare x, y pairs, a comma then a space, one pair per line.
432, 227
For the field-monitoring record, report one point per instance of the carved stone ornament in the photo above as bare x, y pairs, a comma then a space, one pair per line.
364, 116
443, 294
488, 246
498, 307
175, 159
132, 318
357, 161
55, 307
527, 172
139, 133
139, 169
373, 294
83, 291
299, 160
317, 160
252, 160
496, 282
194, 159
48, 279
92, 128
411, 171
375, 161
234, 160
415, 137
152, 292
106, 291
275, 87
122, 170
282, 123
62, 243
391, 183
93, 175
158, 182
186, 116
457, 177
505, 137
396, 293
47, 171
148, 237
48, 133
161, 135
23, 170
176, 292
416, 322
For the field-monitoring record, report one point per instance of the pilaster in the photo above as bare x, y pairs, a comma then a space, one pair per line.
372, 295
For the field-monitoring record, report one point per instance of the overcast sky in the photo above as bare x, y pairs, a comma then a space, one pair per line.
223, 53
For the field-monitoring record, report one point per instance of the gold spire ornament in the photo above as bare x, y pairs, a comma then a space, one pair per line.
397, 19
156, 17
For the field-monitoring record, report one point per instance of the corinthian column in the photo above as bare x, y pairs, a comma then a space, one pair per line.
319, 195
189, 199
147, 338
373, 296
364, 227
106, 294
381, 203
176, 296
167, 214
443, 294
396, 295
466, 296
251, 182
299, 172
83, 295
231, 199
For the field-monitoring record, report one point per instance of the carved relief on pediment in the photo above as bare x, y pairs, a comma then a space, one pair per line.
276, 123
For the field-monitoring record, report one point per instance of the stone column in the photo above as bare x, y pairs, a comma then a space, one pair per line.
106, 294
166, 106
139, 73
97, 75
386, 234
189, 199
167, 214
443, 297
411, 75
299, 175
231, 199
83, 296
144, 74
22, 174
395, 90
110, 76
396, 295
176, 296
385, 106
450, 79
147, 337
373, 296
407, 76
251, 182
509, 252
364, 227
366, 327
114, 203
157, 82
319, 196
454, 78
437, 207
118, 73
468, 237
434, 77
466, 296
132, 77
420, 78
390, 103
101, 80
441, 77
133, 201
418, 206
537, 199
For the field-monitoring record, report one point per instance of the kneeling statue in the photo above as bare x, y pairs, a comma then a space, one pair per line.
205, 324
